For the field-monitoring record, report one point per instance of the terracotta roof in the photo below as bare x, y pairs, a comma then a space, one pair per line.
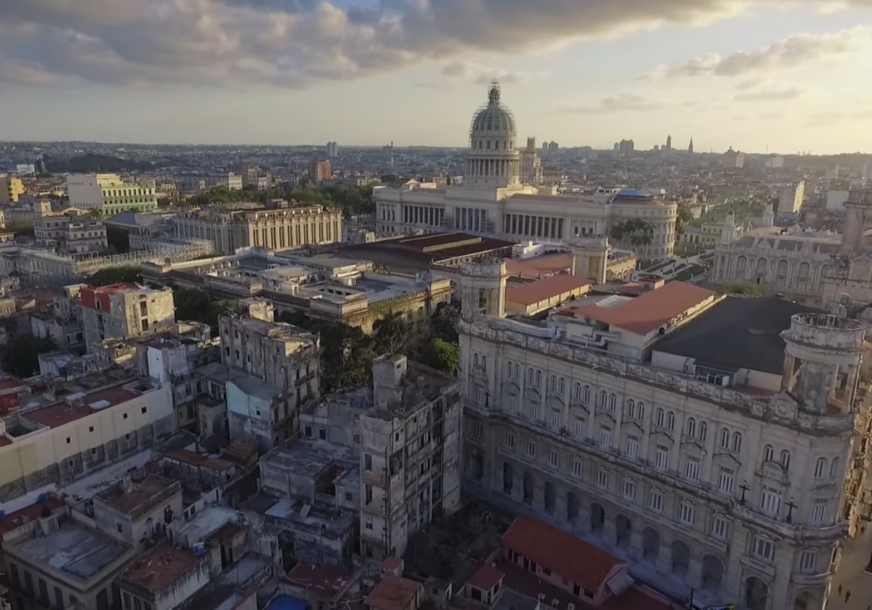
60, 414
32, 512
195, 459
160, 568
539, 266
649, 311
562, 553
485, 578
318, 578
542, 290
393, 593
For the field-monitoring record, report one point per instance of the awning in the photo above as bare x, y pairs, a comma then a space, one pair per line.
620, 582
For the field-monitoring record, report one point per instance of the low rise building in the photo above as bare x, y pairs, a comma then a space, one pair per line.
71, 234
282, 228
120, 311
138, 512
167, 576
110, 194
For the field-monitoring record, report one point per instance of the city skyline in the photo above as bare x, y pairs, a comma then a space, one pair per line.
756, 77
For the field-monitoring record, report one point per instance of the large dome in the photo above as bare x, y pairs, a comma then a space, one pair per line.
493, 120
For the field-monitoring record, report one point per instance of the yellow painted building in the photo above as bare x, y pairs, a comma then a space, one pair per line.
11, 188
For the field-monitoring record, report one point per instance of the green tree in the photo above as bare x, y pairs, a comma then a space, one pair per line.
20, 228
635, 231
444, 322
392, 333
195, 305
20, 355
750, 290
346, 356
115, 275
683, 220
443, 355
390, 178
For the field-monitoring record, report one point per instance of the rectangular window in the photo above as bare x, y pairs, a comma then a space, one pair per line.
579, 427
629, 489
661, 457
510, 439
632, 447
725, 481
556, 420
602, 478
655, 501
808, 562
577, 467
553, 458
512, 403
531, 448
818, 511
605, 439
367, 521
687, 514
720, 528
477, 429
771, 502
691, 469
763, 548
481, 396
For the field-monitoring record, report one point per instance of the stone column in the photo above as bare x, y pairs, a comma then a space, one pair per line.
635, 551
694, 574
664, 559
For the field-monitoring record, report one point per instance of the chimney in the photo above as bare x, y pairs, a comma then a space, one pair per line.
388, 372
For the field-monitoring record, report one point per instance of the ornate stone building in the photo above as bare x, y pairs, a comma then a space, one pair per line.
676, 431
493, 199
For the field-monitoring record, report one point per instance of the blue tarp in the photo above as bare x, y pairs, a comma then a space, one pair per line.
286, 602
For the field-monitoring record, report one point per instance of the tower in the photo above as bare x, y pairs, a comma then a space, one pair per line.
493, 162
858, 218
531, 144
822, 355
483, 289
590, 257
668, 142
728, 231
768, 219
690, 146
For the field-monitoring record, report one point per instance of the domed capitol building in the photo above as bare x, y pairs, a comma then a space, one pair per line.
493, 200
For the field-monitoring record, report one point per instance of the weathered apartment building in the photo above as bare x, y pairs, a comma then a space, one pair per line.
124, 310
717, 442
280, 366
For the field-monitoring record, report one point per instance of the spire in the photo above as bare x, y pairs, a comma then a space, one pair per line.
690, 147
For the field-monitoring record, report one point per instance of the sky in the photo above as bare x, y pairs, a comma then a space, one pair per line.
755, 75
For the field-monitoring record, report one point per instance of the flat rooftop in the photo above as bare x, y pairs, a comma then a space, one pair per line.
142, 496
207, 522
421, 251
158, 569
308, 457
538, 267
54, 416
74, 549
228, 591
546, 289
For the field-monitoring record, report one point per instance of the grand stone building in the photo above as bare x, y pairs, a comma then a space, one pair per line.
677, 430
826, 270
493, 200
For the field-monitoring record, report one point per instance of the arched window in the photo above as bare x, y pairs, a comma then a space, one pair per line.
670, 420
517, 371
576, 391
834, 467
552, 383
603, 396
737, 441
585, 394
691, 427
484, 363
509, 369
768, 453
475, 360
703, 431
640, 409
819, 468
538, 379
725, 438
561, 386
785, 459
631, 408
613, 402
660, 418
530, 375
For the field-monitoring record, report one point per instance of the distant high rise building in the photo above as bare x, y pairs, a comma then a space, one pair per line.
690, 147
617, 147
626, 147
332, 150
553, 147
531, 144
734, 158
775, 162
531, 164
546, 146
668, 142
320, 170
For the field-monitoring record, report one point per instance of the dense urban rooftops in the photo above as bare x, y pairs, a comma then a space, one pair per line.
158, 569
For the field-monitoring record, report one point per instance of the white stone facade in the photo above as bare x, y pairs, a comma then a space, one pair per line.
737, 495
493, 200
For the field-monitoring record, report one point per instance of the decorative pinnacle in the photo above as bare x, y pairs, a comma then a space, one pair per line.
493, 95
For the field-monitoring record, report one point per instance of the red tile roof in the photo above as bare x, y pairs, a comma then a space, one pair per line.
562, 553
160, 568
485, 578
393, 593
14, 520
60, 414
318, 578
649, 311
539, 266
542, 290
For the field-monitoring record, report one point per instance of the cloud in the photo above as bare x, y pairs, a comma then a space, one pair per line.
629, 102
771, 95
791, 52
298, 43
482, 75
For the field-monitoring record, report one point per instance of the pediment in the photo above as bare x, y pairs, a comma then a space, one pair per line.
605, 415
727, 459
632, 423
662, 434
